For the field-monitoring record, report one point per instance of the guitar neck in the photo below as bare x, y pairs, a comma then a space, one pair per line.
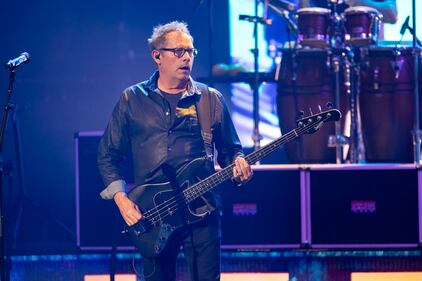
306, 125
219, 177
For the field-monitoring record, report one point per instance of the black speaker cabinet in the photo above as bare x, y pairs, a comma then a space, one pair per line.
98, 222
265, 213
365, 207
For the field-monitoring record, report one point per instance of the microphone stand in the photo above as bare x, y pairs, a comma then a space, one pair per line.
7, 108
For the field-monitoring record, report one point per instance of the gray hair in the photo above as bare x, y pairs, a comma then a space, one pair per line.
158, 37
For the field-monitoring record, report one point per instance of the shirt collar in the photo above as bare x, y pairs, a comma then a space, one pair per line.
152, 85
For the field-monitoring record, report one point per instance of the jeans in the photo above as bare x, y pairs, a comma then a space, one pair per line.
201, 244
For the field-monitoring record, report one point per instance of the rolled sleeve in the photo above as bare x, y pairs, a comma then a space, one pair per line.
111, 190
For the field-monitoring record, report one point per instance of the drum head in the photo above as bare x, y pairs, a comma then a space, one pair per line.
361, 10
313, 11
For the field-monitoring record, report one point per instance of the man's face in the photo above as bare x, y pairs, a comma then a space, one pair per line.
171, 66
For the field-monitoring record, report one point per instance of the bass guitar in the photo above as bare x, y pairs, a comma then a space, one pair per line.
167, 207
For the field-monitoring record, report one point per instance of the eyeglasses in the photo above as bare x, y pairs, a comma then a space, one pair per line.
180, 52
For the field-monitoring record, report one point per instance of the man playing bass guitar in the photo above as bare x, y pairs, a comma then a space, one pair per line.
167, 122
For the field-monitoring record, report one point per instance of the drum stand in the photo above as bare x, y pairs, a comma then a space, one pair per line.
338, 140
338, 59
356, 153
343, 56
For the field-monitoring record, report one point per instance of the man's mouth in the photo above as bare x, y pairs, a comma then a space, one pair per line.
185, 68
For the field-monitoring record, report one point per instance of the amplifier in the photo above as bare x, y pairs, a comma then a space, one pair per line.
368, 206
266, 212
98, 221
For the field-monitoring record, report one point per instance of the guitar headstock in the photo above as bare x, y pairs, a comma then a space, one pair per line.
312, 123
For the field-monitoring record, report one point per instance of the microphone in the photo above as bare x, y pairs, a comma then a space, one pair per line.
16, 62
405, 26
283, 5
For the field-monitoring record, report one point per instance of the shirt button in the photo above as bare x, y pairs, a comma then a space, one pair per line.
170, 132
167, 113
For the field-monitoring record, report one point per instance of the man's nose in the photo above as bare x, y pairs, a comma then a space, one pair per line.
186, 56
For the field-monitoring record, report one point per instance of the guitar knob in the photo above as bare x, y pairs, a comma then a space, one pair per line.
161, 238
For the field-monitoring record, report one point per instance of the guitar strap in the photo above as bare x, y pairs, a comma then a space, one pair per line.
205, 106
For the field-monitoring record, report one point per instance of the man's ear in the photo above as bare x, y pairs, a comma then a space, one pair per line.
156, 56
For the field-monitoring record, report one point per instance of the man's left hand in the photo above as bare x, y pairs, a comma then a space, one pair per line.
242, 172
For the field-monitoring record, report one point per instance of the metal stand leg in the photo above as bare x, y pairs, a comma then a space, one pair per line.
417, 141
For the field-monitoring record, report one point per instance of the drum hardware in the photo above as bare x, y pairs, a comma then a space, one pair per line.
256, 136
417, 142
338, 140
355, 154
336, 27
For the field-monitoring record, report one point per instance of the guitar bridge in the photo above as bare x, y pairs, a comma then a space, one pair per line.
138, 228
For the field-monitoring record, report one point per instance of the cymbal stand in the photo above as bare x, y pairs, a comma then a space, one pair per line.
256, 136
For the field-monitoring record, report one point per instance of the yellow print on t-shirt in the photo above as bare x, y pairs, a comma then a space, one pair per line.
191, 111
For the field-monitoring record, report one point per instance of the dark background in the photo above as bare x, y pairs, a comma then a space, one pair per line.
84, 53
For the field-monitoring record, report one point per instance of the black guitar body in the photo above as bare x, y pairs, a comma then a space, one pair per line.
165, 209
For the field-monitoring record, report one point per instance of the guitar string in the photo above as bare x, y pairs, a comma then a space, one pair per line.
211, 180
179, 198
173, 203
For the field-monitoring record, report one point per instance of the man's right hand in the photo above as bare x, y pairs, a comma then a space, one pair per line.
129, 210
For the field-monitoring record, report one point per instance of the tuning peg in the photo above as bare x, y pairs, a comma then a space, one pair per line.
300, 114
310, 111
329, 105
319, 108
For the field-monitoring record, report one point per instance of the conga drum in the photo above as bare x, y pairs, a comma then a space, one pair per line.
313, 25
362, 25
387, 104
313, 87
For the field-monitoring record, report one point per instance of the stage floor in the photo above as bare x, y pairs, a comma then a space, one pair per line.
303, 265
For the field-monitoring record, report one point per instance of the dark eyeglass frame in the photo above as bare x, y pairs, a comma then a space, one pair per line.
180, 52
